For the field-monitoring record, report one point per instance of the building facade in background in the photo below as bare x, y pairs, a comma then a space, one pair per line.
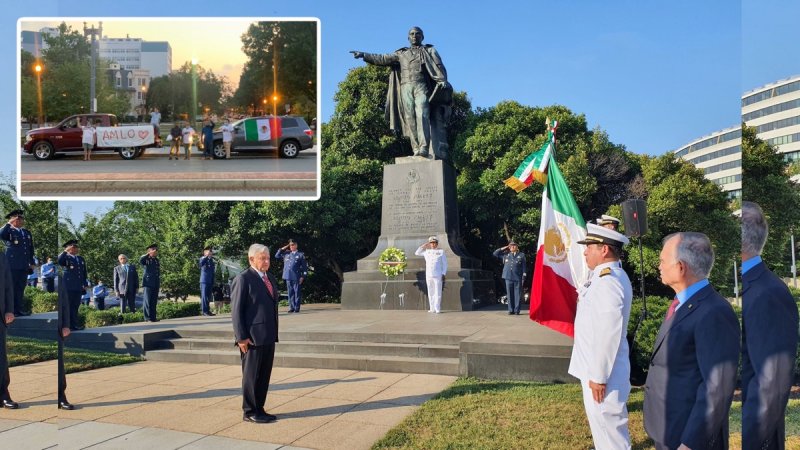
774, 111
719, 156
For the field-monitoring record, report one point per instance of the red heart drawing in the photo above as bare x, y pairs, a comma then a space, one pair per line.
143, 134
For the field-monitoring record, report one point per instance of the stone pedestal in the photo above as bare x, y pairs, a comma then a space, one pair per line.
419, 200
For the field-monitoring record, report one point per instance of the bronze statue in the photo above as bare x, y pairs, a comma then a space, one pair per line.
420, 99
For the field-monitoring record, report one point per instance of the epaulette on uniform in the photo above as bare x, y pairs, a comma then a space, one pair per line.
606, 271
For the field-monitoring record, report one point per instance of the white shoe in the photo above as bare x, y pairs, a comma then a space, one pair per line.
430, 310
438, 312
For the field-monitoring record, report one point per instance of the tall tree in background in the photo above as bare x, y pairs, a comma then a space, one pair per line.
292, 48
172, 93
767, 182
41, 218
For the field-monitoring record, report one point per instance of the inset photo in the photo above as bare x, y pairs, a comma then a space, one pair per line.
168, 108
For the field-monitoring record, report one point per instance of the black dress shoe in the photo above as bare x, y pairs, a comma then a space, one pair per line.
63, 404
256, 418
10, 404
510, 313
271, 417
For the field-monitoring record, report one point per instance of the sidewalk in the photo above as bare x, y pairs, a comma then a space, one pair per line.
33, 425
131, 406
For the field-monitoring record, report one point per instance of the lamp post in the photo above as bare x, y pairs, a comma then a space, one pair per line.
143, 104
38, 69
194, 92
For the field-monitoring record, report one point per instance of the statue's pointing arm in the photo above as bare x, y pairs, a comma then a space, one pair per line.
376, 58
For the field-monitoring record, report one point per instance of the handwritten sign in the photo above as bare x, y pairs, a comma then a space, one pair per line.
125, 136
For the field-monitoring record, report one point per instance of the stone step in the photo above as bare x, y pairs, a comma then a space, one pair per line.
344, 336
351, 348
399, 364
38, 326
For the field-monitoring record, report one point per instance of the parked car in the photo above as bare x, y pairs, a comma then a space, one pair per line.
45, 143
294, 135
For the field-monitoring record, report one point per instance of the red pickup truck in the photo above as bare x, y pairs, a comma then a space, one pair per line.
45, 143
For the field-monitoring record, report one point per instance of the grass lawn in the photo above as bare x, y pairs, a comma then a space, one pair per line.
27, 351
484, 414
22, 350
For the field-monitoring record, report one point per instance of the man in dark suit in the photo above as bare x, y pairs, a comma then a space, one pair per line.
151, 282
769, 340
126, 283
75, 279
254, 310
63, 332
7, 316
19, 254
692, 372
207, 266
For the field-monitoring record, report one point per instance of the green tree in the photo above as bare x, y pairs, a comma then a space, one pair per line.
767, 182
292, 48
172, 94
41, 218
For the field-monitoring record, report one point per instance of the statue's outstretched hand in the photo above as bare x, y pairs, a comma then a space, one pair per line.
357, 54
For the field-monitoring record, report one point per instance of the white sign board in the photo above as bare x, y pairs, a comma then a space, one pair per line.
126, 136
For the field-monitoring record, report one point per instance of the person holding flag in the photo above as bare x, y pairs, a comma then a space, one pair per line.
600, 352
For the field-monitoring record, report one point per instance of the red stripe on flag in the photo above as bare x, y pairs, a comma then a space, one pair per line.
275, 126
553, 299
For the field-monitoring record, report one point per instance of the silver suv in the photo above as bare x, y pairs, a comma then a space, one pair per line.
294, 135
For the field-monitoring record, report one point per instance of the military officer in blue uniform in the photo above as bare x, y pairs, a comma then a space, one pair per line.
151, 282
75, 280
295, 270
19, 253
6, 318
207, 266
513, 273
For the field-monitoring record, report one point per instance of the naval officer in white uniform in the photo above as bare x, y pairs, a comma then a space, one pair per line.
435, 270
600, 351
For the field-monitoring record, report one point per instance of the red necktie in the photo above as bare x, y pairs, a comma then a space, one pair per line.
672, 308
269, 285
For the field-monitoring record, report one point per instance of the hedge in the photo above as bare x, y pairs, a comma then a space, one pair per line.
93, 318
39, 301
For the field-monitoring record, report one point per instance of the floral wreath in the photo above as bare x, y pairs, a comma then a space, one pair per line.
392, 262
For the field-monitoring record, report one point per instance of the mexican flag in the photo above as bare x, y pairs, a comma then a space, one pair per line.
534, 167
262, 129
560, 266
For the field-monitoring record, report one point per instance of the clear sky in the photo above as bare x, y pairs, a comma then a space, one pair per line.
220, 50
654, 75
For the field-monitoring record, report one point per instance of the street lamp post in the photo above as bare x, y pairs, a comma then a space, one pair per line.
194, 92
38, 70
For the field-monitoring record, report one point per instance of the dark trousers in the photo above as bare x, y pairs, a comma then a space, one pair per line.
62, 374
19, 279
205, 297
293, 290
256, 371
100, 303
5, 375
513, 293
74, 303
150, 300
49, 284
129, 301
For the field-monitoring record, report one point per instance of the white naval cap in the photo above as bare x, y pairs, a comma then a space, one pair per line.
605, 220
602, 235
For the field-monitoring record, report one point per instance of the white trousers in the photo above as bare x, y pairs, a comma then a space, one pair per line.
435, 293
608, 420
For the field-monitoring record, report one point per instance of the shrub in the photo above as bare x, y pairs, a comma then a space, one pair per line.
172, 310
131, 317
645, 338
38, 301
96, 318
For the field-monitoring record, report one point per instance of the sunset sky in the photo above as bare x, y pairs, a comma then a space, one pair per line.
215, 43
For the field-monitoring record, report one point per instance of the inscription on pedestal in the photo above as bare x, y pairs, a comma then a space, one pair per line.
413, 203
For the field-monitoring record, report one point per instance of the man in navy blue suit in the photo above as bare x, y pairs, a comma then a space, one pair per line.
692, 373
207, 267
254, 311
19, 253
769, 340
75, 282
295, 271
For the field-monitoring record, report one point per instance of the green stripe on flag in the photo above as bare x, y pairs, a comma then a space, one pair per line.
560, 196
250, 130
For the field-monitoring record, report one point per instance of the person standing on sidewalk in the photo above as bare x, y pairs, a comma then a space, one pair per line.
435, 270
151, 282
175, 145
207, 266
295, 271
208, 138
188, 137
19, 253
254, 312
227, 137
88, 139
